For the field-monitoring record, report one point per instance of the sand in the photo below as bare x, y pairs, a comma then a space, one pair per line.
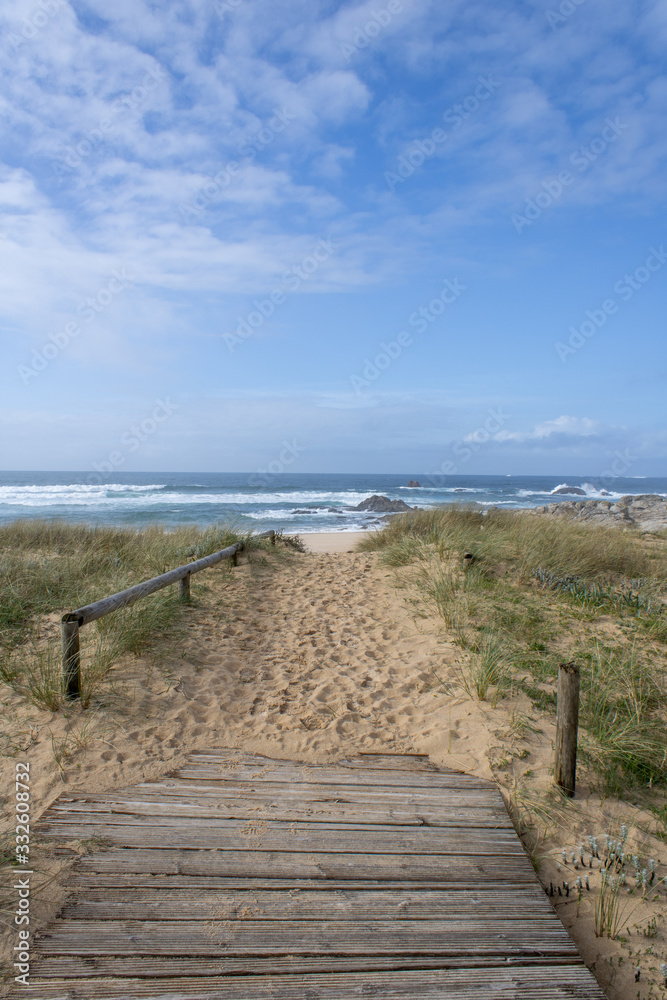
312, 657
332, 541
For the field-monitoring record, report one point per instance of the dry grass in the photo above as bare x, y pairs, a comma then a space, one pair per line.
527, 540
535, 593
49, 567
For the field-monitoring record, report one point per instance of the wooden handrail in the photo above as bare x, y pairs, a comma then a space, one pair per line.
72, 621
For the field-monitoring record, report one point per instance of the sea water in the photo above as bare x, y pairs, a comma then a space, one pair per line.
295, 502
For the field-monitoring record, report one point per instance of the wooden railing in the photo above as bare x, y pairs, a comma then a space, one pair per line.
72, 621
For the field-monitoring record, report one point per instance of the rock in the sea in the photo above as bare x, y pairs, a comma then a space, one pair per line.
567, 490
320, 510
413, 482
382, 505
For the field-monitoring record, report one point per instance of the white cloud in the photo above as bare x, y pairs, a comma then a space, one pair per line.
557, 431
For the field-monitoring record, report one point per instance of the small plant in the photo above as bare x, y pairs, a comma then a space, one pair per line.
651, 928
295, 542
624, 880
443, 587
37, 674
18, 741
484, 669
632, 595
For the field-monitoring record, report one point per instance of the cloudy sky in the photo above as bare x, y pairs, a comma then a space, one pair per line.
378, 229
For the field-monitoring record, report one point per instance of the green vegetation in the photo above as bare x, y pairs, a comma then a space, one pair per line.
49, 567
528, 541
534, 592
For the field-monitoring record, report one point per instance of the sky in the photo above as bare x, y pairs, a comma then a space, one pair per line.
391, 234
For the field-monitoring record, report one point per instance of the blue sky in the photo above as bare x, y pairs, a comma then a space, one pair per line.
383, 230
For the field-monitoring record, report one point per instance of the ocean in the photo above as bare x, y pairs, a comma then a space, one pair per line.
290, 502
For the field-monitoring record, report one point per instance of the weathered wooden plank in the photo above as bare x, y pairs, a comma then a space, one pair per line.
273, 807
82, 881
223, 789
483, 869
531, 983
227, 835
343, 776
306, 937
370, 760
395, 762
341, 904
228, 787
168, 967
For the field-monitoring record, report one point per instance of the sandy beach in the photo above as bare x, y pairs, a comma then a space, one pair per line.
332, 541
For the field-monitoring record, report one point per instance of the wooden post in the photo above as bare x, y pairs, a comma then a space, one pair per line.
184, 589
71, 662
567, 722
235, 558
273, 538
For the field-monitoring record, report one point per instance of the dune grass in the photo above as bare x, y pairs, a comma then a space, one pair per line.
529, 541
49, 567
534, 592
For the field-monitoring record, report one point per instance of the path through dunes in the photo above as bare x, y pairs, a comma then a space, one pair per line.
321, 655
310, 658
243, 877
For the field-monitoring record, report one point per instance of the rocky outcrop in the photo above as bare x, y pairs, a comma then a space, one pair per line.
382, 505
647, 512
414, 483
568, 491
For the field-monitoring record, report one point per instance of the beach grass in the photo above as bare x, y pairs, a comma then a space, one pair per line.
49, 567
528, 540
532, 593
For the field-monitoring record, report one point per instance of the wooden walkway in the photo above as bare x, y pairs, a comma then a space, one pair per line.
244, 878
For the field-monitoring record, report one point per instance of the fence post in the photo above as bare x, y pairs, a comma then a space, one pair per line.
273, 538
184, 589
71, 662
567, 722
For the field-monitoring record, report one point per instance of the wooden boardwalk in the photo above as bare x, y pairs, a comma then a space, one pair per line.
244, 878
